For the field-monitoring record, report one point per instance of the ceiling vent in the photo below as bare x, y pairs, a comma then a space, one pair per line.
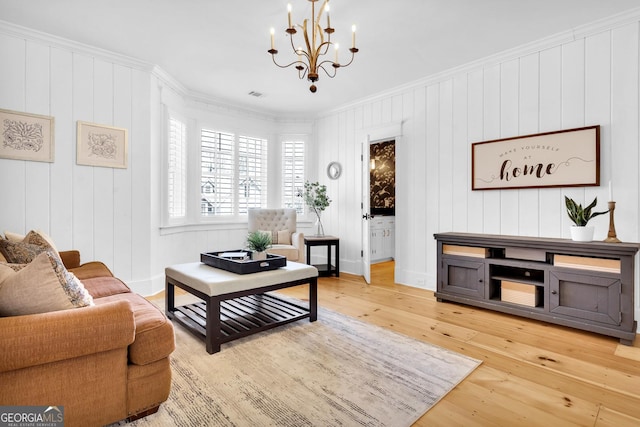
256, 94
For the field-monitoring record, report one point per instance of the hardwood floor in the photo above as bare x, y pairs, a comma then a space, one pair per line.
532, 373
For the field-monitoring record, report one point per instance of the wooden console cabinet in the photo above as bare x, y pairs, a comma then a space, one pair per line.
587, 286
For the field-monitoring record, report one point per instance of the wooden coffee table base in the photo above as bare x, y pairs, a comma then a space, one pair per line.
223, 318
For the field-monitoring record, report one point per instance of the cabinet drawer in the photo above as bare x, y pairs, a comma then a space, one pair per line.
462, 277
593, 298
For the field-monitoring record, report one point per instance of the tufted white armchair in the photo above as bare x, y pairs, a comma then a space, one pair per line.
281, 223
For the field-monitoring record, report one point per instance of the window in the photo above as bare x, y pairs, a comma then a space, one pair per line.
293, 175
217, 160
252, 173
234, 173
177, 179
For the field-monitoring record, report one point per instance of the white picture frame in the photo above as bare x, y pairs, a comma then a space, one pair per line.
102, 145
26, 136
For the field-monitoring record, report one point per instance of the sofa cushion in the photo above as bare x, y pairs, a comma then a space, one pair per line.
154, 332
100, 287
41, 286
91, 269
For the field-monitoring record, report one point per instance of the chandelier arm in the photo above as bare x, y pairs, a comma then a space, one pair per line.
306, 36
289, 64
324, 4
302, 71
298, 52
321, 66
324, 45
353, 55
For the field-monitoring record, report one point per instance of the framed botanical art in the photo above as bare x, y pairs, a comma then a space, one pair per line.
566, 158
101, 145
25, 136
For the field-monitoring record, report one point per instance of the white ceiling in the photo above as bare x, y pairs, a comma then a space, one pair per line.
219, 48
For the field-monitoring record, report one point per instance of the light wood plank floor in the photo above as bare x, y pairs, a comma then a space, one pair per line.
532, 373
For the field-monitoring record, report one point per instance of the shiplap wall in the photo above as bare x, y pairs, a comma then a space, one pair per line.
580, 81
102, 212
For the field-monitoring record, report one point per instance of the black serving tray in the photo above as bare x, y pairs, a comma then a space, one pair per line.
272, 262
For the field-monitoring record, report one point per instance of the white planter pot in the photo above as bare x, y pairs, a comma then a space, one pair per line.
259, 256
581, 234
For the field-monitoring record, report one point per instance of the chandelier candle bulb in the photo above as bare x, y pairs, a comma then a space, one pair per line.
289, 14
328, 18
337, 46
610, 192
272, 42
353, 36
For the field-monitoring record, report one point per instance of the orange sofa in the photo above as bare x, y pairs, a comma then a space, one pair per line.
103, 363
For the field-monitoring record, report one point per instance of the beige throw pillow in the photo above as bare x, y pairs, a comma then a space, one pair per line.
284, 237
13, 237
41, 286
281, 237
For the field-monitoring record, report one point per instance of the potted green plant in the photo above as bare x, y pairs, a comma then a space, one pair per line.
581, 216
258, 242
315, 197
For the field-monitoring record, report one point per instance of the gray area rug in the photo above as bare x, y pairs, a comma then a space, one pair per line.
337, 371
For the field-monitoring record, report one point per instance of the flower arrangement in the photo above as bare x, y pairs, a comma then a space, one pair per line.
315, 197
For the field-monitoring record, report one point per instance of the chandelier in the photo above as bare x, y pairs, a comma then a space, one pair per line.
311, 59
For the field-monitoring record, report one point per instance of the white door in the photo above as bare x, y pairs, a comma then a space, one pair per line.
366, 252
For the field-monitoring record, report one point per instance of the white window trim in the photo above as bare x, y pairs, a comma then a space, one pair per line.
193, 221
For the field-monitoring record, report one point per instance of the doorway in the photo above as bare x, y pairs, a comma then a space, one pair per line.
382, 208
378, 225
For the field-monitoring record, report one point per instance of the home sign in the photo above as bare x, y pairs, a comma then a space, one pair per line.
566, 158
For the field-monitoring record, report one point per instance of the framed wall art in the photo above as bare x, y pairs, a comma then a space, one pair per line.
25, 136
566, 158
101, 145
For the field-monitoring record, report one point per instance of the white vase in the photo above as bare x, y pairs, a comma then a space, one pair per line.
581, 233
259, 256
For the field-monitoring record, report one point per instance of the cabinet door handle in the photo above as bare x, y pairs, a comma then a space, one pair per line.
554, 292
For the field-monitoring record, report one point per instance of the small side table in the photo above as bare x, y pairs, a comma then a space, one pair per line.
325, 269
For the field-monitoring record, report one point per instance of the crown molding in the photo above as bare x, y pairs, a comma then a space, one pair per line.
606, 24
50, 40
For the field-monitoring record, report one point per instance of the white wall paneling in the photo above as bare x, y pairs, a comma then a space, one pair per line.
509, 125
81, 207
61, 179
585, 81
12, 97
37, 91
550, 206
526, 123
